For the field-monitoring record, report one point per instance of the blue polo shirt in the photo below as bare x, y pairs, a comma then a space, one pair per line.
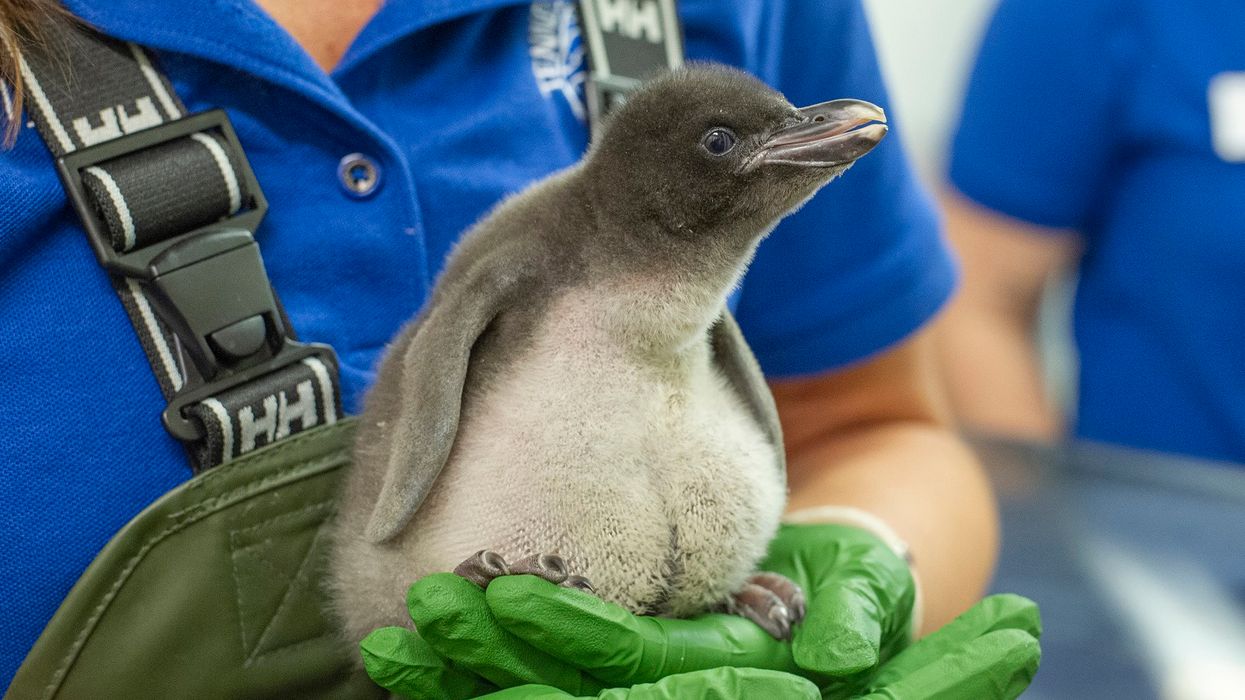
1125, 121
458, 102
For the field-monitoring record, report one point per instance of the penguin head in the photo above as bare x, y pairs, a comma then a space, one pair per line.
713, 154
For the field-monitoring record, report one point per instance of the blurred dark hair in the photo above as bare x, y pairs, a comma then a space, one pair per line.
23, 26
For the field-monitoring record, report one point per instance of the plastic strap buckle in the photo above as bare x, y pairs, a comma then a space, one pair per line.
208, 285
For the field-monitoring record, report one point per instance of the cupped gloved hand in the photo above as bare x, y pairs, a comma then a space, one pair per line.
400, 661
525, 630
722, 683
462, 648
860, 597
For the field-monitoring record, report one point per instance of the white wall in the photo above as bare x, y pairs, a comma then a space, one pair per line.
926, 48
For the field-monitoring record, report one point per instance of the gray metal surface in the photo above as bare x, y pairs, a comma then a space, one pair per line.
1137, 562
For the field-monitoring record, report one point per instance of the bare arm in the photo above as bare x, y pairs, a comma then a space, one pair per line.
986, 340
876, 437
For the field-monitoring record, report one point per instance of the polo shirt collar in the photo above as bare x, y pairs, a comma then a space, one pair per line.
238, 33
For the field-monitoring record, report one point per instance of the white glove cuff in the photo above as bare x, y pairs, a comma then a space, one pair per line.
847, 515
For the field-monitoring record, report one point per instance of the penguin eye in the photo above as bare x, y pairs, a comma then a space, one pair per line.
719, 141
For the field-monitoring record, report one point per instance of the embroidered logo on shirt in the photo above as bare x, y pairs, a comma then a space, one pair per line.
557, 52
1227, 115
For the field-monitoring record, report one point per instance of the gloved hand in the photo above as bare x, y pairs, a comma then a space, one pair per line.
463, 649
860, 597
526, 630
854, 639
722, 683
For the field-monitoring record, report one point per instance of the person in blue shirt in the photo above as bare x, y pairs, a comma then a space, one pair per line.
453, 106
1108, 139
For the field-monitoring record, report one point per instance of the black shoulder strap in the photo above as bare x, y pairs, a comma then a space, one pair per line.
628, 41
170, 207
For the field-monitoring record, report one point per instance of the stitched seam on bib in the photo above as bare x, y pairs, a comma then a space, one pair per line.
301, 576
193, 514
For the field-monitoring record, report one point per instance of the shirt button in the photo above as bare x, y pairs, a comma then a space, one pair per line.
359, 175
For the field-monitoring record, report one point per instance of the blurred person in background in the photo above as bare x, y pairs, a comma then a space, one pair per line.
1106, 139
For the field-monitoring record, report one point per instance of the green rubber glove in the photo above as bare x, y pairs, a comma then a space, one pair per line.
991, 651
469, 652
526, 630
859, 595
723, 683
462, 648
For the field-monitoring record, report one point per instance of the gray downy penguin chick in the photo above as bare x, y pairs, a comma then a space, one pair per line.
575, 396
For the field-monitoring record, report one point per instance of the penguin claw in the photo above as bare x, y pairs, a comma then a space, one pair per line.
788, 591
772, 601
580, 583
485, 565
550, 567
482, 567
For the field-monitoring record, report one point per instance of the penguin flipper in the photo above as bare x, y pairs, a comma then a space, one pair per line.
737, 363
413, 411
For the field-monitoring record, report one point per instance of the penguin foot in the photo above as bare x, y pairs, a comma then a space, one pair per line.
773, 601
485, 565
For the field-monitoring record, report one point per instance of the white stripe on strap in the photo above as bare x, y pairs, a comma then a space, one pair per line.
226, 170
118, 204
157, 85
171, 369
45, 106
226, 428
326, 389
8, 101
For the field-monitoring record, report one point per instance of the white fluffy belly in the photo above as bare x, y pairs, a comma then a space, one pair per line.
662, 490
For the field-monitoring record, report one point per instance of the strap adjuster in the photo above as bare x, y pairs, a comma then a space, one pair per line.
207, 285
135, 264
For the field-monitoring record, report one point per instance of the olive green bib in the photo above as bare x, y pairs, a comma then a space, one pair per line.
214, 591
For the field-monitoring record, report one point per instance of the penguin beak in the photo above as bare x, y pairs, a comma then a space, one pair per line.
828, 134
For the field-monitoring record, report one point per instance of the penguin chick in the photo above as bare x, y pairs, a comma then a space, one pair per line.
575, 397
